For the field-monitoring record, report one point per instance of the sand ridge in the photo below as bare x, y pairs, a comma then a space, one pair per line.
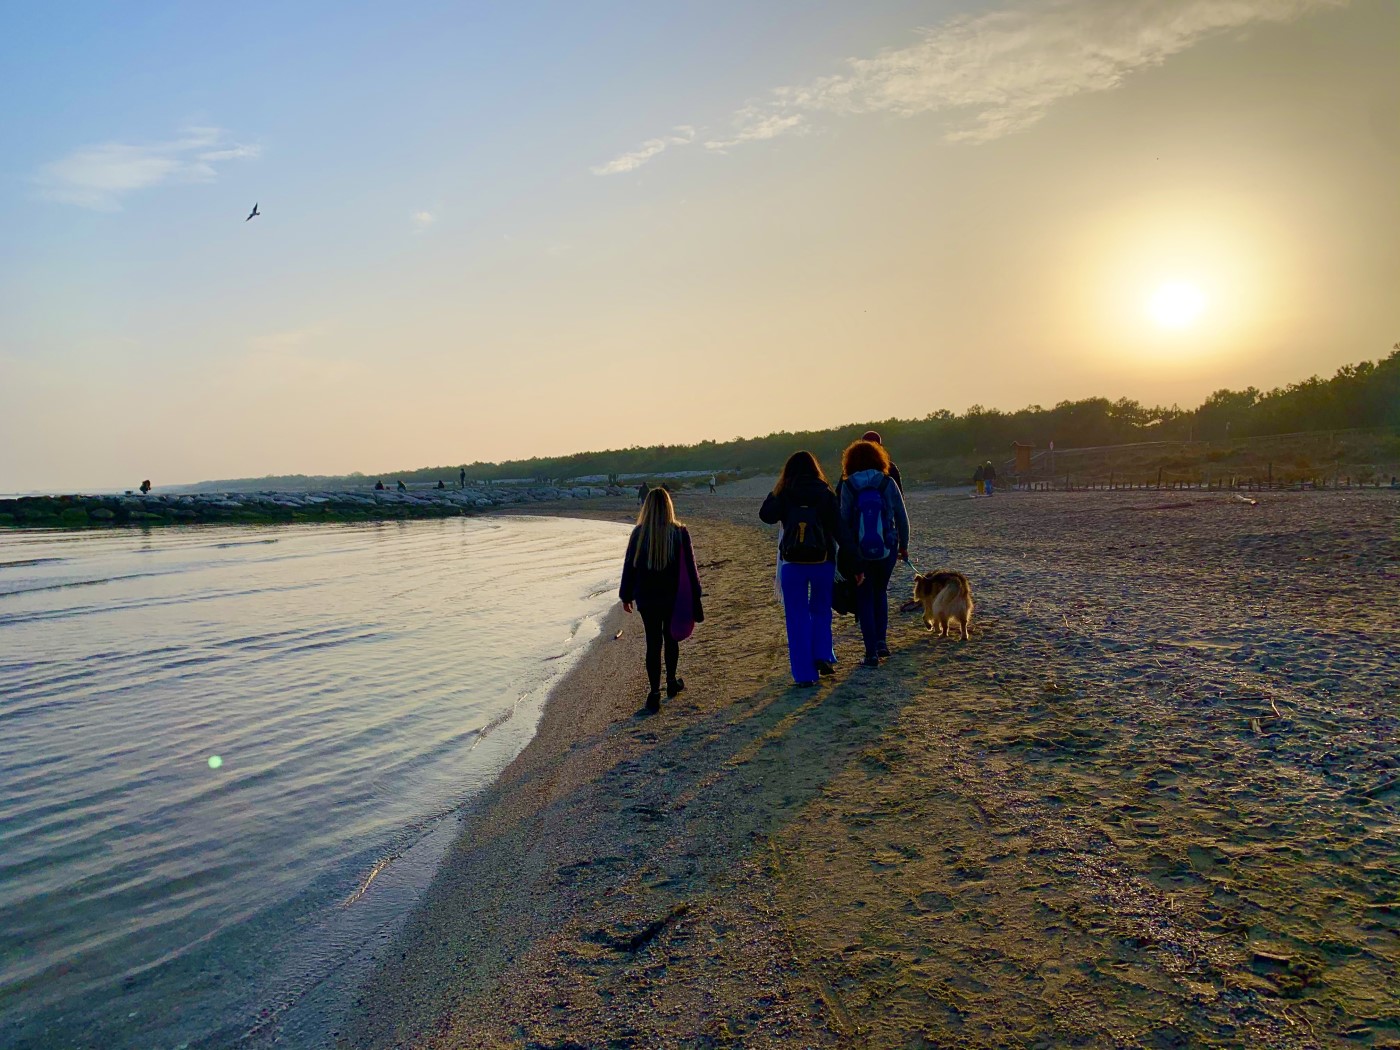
1152, 803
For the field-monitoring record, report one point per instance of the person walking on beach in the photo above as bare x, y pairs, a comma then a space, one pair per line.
989, 475
979, 480
874, 435
402, 486
712, 484
803, 503
462, 478
660, 569
641, 493
873, 515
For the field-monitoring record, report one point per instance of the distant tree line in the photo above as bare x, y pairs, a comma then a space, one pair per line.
1362, 395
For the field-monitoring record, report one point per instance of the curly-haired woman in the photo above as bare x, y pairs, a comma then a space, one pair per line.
872, 510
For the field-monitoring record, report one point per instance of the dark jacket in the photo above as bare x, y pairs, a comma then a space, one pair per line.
810, 492
656, 589
896, 517
894, 473
979, 473
989, 472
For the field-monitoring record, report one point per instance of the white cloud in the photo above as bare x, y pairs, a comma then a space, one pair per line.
755, 125
422, 220
683, 135
100, 176
999, 73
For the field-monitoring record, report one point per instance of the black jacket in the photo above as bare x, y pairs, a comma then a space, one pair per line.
656, 589
810, 492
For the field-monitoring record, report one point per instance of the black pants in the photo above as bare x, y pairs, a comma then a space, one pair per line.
656, 621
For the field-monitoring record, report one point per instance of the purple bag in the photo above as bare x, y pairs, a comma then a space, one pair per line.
682, 623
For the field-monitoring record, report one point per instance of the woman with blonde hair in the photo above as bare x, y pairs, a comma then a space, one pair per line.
872, 511
659, 578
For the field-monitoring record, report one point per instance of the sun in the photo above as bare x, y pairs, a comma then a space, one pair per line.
1176, 304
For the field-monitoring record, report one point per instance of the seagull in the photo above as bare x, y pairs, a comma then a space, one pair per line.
253, 213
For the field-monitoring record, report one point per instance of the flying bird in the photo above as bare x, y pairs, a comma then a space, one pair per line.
253, 213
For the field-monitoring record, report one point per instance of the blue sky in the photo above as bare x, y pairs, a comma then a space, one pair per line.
491, 231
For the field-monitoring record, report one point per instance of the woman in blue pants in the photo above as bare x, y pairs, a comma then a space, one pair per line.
804, 505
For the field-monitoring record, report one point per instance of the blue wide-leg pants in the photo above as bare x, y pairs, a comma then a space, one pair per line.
807, 608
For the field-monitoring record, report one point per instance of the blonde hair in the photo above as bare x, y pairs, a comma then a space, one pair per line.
658, 528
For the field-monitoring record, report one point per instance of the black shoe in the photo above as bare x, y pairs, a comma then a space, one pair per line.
883, 652
673, 689
653, 704
825, 669
808, 685
871, 660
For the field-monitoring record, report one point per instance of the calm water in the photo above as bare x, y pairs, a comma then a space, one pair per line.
218, 747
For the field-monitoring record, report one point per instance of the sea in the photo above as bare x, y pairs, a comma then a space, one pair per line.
231, 758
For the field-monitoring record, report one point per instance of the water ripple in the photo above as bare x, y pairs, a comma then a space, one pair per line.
215, 741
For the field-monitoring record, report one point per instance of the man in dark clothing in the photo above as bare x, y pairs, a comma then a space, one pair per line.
462, 477
989, 475
379, 486
874, 435
402, 486
642, 491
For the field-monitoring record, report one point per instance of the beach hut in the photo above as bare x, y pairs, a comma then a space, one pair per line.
1023, 451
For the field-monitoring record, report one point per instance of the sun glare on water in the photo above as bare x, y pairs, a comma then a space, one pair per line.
1176, 305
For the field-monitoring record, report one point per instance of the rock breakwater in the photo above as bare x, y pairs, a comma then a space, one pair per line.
82, 512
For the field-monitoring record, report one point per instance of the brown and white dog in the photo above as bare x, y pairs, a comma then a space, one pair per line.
947, 599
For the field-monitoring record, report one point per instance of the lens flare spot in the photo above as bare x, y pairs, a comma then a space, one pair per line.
215, 761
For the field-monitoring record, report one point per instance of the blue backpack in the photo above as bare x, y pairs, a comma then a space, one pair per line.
872, 540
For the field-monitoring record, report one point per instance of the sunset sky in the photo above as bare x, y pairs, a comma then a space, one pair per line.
494, 231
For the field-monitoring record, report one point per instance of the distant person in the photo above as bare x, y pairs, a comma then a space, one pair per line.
440, 484
989, 477
658, 552
874, 435
804, 505
712, 484
402, 486
642, 491
462, 478
145, 486
874, 518
979, 480
379, 486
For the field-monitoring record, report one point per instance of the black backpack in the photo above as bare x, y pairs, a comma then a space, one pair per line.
804, 538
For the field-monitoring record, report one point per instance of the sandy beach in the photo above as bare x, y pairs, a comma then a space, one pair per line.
1154, 802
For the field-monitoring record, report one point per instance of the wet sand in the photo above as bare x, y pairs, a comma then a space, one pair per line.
1154, 802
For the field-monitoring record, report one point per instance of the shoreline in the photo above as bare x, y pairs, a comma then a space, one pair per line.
970, 846
517, 843
160, 510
